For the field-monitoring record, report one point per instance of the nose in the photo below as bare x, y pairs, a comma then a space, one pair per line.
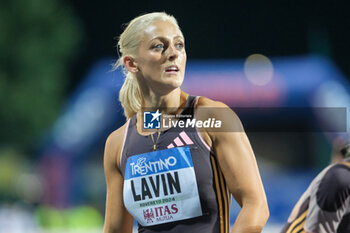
173, 53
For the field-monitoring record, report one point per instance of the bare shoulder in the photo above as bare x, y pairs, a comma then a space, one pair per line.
208, 108
113, 147
206, 102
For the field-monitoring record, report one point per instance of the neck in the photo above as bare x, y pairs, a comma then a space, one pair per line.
168, 103
172, 103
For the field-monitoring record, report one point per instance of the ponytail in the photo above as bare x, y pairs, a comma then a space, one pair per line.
130, 96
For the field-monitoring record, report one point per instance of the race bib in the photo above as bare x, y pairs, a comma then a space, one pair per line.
161, 187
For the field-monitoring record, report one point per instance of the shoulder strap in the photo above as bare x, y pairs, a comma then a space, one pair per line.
189, 107
346, 163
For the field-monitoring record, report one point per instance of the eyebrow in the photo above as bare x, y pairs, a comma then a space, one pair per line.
162, 37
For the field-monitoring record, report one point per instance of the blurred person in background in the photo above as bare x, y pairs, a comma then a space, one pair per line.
210, 166
325, 205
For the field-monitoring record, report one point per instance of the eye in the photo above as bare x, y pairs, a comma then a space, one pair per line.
158, 46
180, 45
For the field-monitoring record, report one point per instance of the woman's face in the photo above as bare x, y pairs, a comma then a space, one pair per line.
161, 58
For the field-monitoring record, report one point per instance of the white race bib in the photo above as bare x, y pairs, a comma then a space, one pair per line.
161, 187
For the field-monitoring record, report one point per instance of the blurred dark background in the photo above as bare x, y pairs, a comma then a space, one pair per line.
219, 30
50, 56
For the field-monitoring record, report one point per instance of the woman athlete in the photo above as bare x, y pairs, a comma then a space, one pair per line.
176, 180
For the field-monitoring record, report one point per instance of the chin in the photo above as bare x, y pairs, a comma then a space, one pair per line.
172, 85
176, 83
175, 79
169, 82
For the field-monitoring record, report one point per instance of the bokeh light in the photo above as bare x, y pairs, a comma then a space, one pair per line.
258, 69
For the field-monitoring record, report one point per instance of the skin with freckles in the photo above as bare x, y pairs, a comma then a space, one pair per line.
159, 67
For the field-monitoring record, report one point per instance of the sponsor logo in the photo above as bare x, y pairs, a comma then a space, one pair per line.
160, 214
142, 167
148, 215
151, 120
181, 140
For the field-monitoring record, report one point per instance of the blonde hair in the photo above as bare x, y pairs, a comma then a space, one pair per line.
130, 94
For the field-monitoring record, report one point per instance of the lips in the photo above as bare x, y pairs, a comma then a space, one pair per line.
172, 68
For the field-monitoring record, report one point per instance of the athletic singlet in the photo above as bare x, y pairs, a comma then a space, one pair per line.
325, 205
179, 186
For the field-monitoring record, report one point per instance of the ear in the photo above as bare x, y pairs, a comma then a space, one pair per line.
130, 64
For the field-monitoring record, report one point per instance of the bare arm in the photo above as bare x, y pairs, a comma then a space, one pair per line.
239, 167
240, 170
117, 218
